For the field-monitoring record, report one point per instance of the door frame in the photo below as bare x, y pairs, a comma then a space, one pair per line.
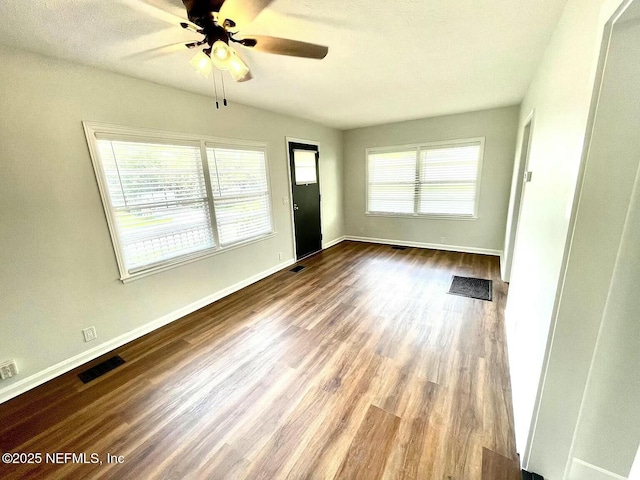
523, 167
288, 140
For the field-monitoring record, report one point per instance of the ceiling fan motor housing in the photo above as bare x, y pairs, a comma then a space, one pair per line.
215, 33
201, 12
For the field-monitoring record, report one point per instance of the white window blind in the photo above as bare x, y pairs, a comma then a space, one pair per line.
170, 198
392, 178
429, 179
159, 199
448, 180
240, 192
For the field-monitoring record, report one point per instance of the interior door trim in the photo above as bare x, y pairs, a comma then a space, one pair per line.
288, 140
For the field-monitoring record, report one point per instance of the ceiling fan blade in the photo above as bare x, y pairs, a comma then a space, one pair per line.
241, 12
284, 46
158, 51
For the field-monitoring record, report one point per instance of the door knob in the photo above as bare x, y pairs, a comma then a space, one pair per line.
295, 207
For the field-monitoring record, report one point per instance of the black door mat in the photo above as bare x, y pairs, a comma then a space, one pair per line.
100, 369
472, 288
298, 268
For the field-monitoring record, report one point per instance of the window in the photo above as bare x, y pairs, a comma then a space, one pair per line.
170, 198
304, 162
433, 179
240, 192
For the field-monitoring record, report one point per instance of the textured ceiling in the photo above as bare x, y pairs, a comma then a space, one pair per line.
388, 61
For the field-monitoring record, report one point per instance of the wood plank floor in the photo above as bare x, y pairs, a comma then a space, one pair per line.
360, 366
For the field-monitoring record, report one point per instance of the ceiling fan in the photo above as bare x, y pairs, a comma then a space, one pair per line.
220, 21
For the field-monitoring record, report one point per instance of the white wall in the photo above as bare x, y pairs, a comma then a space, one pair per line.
483, 234
59, 272
635, 469
560, 93
608, 432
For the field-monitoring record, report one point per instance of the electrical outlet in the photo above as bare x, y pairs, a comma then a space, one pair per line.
89, 334
443, 240
280, 255
285, 200
8, 369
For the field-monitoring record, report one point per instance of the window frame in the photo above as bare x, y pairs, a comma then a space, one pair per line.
94, 130
418, 148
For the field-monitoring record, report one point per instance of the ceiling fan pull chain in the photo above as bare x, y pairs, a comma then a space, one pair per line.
224, 93
215, 88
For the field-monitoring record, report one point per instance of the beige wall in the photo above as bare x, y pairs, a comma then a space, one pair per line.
486, 233
59, 272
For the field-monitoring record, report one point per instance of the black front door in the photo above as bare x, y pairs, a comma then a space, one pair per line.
305, 193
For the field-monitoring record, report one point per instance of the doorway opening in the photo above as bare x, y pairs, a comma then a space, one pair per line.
526, 176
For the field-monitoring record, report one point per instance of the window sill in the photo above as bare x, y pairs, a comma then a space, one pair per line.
423, 216
186, 259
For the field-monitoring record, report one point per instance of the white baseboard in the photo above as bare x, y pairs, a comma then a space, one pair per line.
433, 246
58, 369
333, 242
581, 470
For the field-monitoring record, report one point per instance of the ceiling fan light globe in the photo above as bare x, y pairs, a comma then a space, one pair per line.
237, 68
220, 50
202, 63
240, 76
220, 64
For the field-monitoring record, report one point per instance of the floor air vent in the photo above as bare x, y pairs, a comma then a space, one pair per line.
396, 247
100, 369
298, 268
